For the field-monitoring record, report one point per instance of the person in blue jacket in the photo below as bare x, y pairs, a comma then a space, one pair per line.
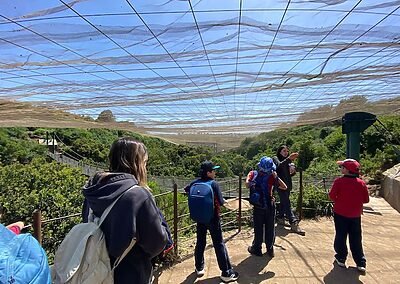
207, 173
22, 259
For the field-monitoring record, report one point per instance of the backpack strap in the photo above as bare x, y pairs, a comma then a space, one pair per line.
255, 174
104, 216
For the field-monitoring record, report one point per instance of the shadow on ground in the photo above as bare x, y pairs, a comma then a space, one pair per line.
282, 231
338, 274
253, 269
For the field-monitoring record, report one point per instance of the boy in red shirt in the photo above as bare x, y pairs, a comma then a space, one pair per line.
349, 193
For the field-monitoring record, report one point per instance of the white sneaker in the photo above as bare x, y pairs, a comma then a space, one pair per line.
233, 276
338, 262
361, 269
200, 273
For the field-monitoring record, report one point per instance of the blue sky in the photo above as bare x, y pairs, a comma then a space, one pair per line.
205, 65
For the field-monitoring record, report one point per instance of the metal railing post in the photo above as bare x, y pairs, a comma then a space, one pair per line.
37, 225
175, 186
300, 199
240, 204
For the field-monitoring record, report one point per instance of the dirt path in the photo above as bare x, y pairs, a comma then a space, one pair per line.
307, 259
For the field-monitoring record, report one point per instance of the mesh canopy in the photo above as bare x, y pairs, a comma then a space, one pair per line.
202, 66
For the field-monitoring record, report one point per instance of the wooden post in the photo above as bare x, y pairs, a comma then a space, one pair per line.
175, 218
300, 199
37, 225
240, 203
324, 181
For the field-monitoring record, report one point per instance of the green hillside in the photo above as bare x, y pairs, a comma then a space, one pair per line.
29, 179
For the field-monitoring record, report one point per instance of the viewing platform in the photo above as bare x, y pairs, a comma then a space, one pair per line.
305, 259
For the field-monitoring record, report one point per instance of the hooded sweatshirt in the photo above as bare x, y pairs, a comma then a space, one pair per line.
135, 215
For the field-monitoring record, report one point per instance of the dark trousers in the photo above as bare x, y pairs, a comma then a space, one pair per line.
219, 246
285, 208
352, 227
264, 227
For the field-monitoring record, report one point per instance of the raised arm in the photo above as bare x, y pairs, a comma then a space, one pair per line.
249, 179
281, 184
285, 162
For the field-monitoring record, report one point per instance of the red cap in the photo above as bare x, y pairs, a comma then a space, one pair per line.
352, 165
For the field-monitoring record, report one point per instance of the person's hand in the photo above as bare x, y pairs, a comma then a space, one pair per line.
293, 156
19, 224
16, 227
292, 169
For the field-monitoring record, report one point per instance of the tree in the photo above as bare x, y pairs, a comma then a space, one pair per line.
106, 116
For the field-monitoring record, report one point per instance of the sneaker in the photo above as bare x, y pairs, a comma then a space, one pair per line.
294, 227
251, 250
362, 269
200, 273
340, 263
229, 277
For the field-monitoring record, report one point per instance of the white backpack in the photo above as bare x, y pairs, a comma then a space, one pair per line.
82, 257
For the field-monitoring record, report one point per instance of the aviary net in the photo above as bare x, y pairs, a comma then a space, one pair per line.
202, 66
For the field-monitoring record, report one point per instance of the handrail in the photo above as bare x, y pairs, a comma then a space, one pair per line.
181, 221
61, 218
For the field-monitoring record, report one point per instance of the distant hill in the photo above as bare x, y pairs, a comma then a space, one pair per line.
25, 115
15, 114
357, 103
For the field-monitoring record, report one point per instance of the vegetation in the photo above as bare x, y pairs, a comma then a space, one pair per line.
51, 187
30, 180
321, 146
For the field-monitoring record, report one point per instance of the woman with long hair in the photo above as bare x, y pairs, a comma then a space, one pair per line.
285, 170
135, 216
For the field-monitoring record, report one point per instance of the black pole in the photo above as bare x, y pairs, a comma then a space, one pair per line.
300, 199
175, 218
240, 204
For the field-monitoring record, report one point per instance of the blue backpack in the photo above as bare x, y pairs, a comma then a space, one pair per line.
22, 259
259, 195
201, 202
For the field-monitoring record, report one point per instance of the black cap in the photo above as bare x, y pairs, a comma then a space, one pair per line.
208, 166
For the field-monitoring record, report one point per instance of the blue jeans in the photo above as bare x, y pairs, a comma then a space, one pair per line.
264, 228
219, 246
285, 206
352, 227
